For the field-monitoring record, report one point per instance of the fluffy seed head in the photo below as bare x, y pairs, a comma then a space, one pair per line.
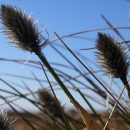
20, 28
111, 56
49, 103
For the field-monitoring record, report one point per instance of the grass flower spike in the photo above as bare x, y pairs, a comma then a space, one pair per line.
112, 57
20, 28
49, 103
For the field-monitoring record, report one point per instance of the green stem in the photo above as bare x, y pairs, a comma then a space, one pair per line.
83, 113
63, 116
125, 82
45, 62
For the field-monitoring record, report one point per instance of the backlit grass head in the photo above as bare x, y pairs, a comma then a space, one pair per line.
111, 56
20, 28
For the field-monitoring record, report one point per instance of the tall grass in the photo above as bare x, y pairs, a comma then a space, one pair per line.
24, 34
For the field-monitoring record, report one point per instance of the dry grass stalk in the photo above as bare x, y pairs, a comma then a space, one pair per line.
88, 120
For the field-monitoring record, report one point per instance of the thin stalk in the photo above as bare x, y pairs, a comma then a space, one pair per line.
114, 29
21, 95
92, 48
31, 126
83, 113
125, 82
113, 109
37, 79
45, 62
89, 30
88, 69
58, 104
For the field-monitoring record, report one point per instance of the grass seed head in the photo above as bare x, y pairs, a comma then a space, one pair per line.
111, 56
20, 28
49, 103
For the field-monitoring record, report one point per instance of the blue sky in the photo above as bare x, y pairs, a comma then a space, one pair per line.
65, 17
68, 16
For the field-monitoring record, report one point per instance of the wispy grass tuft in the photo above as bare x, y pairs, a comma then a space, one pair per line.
5, 124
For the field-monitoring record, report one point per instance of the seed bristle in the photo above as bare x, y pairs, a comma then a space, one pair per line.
19, 28
112, 56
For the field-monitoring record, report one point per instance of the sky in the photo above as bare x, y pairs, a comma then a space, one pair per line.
64, 17
69, 16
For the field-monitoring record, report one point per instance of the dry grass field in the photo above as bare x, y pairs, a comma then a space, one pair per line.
116, 122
